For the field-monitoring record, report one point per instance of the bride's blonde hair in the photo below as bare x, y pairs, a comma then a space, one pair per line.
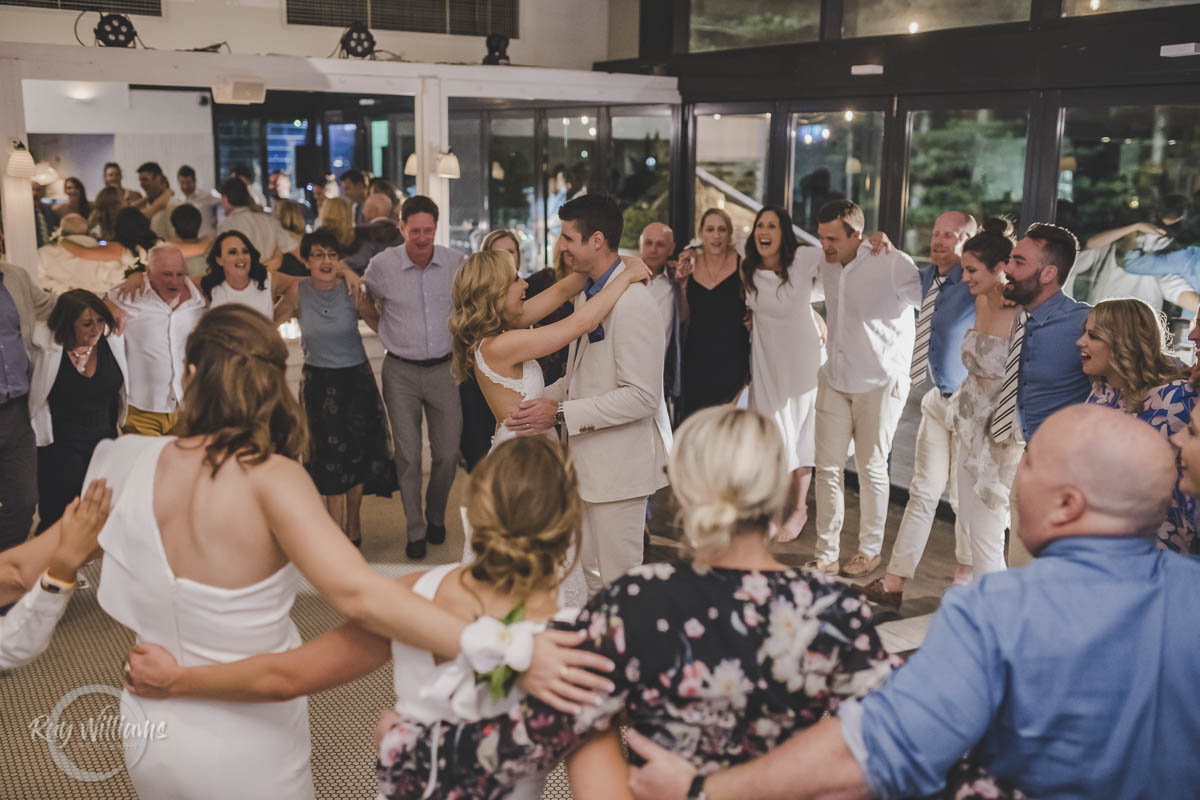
477, 297
728, 469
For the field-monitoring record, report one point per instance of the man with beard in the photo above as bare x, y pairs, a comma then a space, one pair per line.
1043, 372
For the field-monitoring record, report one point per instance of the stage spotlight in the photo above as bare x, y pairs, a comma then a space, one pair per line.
357, 41
115, 30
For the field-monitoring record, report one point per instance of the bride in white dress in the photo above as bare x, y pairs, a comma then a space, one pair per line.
525, 507
204, 549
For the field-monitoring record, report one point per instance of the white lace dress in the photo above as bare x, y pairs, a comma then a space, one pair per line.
531, 384
991, 465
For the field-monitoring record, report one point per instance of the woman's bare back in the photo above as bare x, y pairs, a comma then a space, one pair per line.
214, 530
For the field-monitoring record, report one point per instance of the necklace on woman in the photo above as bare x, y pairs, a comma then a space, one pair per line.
79, 357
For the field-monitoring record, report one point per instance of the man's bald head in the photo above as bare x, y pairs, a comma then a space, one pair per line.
655, 245
1092, 470
73, 224
377, 206
950, 232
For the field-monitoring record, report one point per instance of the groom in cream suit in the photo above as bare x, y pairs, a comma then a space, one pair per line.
610, 402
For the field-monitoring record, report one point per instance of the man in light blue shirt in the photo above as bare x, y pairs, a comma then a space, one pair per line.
411, 285
1071, 678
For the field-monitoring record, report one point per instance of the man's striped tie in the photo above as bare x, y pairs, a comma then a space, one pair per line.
1004, 419
920, 362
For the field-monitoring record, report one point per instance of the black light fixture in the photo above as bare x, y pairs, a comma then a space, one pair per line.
497, 49
358, 41
115, 30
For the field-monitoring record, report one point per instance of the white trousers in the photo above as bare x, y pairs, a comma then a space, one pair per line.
934, 466
869, 419
984, 526
611, 540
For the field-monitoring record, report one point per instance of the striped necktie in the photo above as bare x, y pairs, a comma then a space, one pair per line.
920, 362
1004, 419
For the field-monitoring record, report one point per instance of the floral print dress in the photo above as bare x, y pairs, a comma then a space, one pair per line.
1168, 409
719, 665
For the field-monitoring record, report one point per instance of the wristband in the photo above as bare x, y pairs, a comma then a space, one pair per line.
55, 586
696, 791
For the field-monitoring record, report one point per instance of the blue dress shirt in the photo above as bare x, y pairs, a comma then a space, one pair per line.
953, 315
591, 289
14, 360
1051, 373
1074, 676
1185, 263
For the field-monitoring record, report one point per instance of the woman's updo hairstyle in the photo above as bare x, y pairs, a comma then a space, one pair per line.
994, 243
728, 469
524, 511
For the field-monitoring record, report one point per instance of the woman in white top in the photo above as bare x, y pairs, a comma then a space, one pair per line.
205, 546
236, 275
786, 345
491, 337
524, 510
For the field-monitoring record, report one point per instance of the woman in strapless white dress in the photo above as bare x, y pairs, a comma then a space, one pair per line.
204, 549
525, 506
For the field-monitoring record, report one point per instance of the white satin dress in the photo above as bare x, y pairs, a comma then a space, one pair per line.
209, 748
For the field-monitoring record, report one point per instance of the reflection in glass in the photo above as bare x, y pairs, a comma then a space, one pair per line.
1079, 8
510, 189
467, 220
641, 167
885, 17
282, 140
964, 160
731, 165
342, 140
570, 147
1124, 171
239, 141
721, 25
835, 156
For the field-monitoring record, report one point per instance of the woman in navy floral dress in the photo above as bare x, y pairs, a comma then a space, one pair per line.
1123, 351
719, 660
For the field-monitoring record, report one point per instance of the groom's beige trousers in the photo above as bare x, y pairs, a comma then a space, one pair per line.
612, 540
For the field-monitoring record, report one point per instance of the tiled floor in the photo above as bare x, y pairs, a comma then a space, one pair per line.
89, 648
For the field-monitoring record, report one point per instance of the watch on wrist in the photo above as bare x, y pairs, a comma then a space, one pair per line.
559, 417
696, 791
54, 585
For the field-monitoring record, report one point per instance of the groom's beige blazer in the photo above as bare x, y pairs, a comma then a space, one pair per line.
617, 428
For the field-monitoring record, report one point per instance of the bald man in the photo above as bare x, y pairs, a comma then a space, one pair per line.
377, 232
947, 312
152, 349
1073, 677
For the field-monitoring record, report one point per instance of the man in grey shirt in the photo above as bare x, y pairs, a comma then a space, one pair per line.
411, 286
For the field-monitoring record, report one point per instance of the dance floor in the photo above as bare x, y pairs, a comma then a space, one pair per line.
89, 649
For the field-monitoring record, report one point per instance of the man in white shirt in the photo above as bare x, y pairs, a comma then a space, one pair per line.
160, 200
202, 199
156, 329
264, 231
656, 244
1102, 260
47, 565
862, 388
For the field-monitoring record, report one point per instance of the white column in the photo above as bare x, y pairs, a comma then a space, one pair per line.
433, 137
20, 236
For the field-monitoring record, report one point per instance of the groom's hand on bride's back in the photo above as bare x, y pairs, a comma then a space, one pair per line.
532, 417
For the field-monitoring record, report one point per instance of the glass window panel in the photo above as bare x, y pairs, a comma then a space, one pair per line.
1079, 8
379, 143
731, 166
570, 150
282, 140
239, 141
1122, 165
722, 25
467, 218
342, 137
511, 196
836, 155
885, 17
642, 171
962, 160
403, 143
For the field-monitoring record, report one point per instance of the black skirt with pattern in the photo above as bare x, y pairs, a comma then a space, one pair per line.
348, 430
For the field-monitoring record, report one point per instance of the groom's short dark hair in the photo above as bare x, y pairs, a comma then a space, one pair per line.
595, 212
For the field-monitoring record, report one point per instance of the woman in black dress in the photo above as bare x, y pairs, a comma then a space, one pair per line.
76, 396
716, 347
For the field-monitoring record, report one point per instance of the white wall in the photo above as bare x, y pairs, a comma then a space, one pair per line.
171, 127
570, 34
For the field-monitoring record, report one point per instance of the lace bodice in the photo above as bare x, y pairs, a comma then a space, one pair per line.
984, 355
992, 465
530, 384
